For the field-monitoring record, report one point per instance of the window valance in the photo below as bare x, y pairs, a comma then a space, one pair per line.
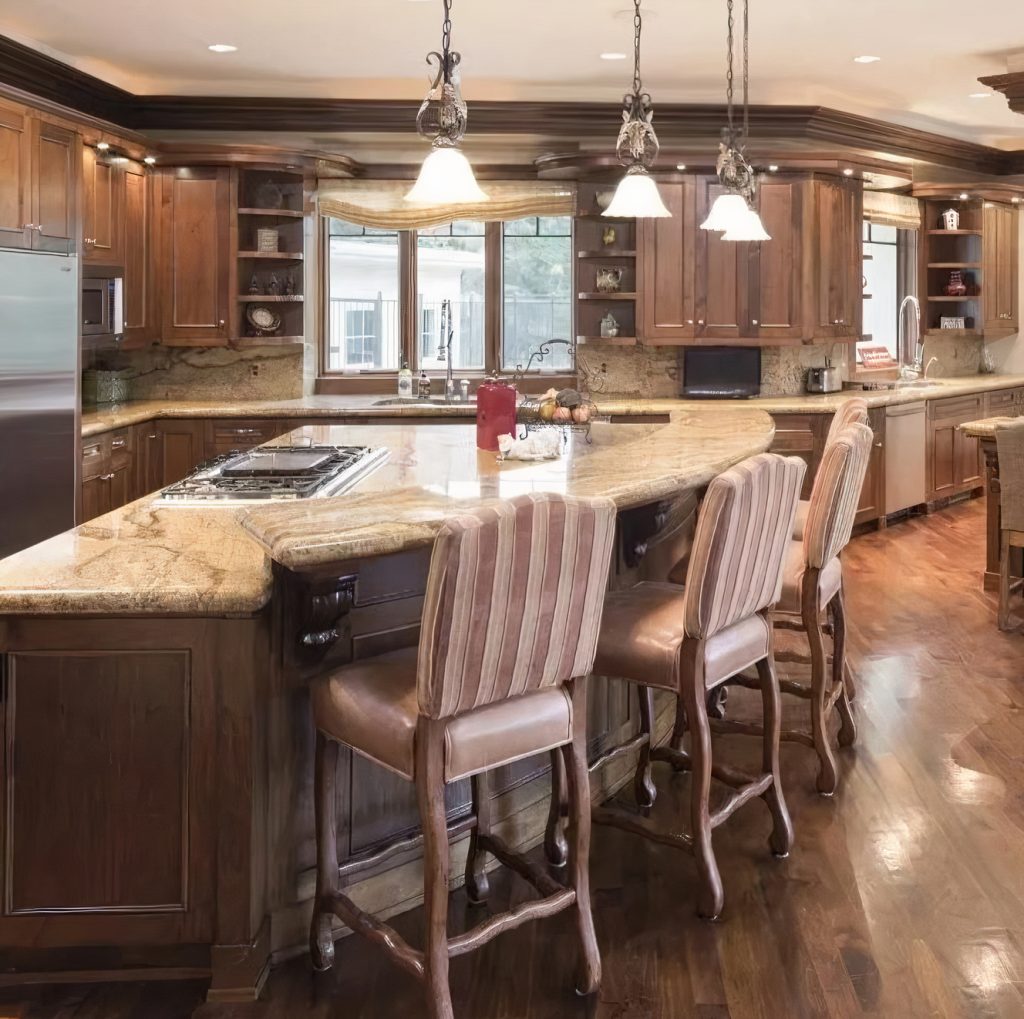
381, 203
888, 209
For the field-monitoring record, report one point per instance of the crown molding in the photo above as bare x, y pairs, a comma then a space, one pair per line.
39, 75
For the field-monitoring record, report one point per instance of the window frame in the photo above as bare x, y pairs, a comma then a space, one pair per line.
383, 380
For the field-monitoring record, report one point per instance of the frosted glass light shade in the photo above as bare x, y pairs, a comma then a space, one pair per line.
746, 228
728, 211
637, 196
446, 178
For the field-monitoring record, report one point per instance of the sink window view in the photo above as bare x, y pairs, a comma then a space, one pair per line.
548, 474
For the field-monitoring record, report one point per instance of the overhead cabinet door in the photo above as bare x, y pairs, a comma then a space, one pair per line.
723, 275
777, 302
667, 268
54, 188
15, 215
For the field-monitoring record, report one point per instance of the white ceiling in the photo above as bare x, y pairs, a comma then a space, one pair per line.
933, 51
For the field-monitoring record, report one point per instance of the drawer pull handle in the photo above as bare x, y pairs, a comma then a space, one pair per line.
119, 444
153, 436
92, 451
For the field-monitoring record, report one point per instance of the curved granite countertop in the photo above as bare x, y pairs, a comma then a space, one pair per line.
120, 415
201, 561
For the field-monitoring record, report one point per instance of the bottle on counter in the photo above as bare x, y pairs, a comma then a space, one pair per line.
423, 388
464, 388
405, 381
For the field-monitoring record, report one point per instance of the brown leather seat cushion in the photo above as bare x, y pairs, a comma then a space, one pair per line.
372, 707
642, 632
829, 581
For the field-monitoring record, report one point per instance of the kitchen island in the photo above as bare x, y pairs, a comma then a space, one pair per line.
158, 816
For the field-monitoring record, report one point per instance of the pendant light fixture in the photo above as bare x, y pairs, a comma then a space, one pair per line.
446, 178
637, 194
733, 213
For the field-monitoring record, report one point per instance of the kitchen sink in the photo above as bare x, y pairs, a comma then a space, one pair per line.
406, 401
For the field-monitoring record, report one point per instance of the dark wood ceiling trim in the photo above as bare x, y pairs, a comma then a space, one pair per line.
52, 80
1011, 85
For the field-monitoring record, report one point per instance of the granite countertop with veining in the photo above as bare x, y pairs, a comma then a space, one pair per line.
104, 418
147, 559
436, 470
986, 428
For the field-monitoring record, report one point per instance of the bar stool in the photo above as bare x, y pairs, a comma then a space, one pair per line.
851, 412
813, 588
689, 640
1010, 447
510, 625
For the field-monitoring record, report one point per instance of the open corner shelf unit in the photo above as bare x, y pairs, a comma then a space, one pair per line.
270, 234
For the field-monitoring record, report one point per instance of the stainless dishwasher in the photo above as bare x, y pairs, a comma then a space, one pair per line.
905, 481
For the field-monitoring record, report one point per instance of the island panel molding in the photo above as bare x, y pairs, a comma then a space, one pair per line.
56, 82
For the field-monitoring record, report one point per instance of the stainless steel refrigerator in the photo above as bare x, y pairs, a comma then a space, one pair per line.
38, 396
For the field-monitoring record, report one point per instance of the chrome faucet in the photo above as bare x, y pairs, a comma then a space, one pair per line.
444, 350
914, 368
931, 361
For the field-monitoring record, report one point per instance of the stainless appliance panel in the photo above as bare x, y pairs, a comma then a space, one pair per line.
38, 396
906, 482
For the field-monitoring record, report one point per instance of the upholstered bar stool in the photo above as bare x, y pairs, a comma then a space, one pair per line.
510, 625
1010, 447
813, 589
689, 640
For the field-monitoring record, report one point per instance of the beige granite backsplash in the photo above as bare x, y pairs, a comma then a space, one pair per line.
649, 372
784, 369
182, 373
956, 355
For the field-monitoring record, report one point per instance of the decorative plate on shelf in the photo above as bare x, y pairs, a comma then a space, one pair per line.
264, 321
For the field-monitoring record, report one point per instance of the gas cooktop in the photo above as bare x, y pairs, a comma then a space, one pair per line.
275, 473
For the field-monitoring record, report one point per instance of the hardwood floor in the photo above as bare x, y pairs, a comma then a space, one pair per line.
903, 897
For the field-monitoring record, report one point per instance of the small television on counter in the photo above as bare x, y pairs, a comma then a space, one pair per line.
721, 373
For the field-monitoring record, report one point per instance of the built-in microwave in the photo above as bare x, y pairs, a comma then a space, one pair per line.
103, 307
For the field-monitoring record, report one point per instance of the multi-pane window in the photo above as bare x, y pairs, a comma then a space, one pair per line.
450, 266
363, 325
508, 288
536, 289
880, 278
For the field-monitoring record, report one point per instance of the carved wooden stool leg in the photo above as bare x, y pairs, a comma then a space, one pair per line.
716, 702
710, 897
643, 785
430, 795
781, 840
680, 726
556, 849
574, 756
827, 773
321, 940
847, 723
478, 888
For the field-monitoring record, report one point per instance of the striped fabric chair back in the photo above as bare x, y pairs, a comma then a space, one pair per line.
744, 529
836, 493
851, 412
1010, 446
513, 600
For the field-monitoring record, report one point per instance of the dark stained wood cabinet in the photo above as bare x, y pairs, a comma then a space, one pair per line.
15, 200
140, 245
954, 463
222, 435
838, 214
781, 264
102, 195
109, 479
178, 448
54, 188
1000, 278
722, 275
195, 256
872, 496
802, 435
666, 268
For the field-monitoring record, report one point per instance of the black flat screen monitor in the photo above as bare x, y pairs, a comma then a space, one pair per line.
721, 373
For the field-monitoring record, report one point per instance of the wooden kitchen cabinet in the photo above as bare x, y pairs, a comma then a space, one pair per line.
15, 144
222, 435
102, 214
779, 266
195, 256
666, 268
872, 495
722, 275
1004, 403
802, 435
179, 447
140, 245
1000, 281
838, 261
954, 460
108, 472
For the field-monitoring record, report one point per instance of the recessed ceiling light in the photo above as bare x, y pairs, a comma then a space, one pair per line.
613, 56
680, 166
149, 160
848, 172
103, 146
222, 47
964, 196
866, 59
980, 95
773, 168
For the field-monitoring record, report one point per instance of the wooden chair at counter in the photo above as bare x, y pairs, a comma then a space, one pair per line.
510, 625
813, 589
689, 640
1010, 449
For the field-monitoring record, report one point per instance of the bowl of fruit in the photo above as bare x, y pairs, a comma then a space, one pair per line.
558, 408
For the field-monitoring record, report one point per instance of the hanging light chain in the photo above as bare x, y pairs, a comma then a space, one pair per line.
746, 73
729, 74
637, 27
446, 40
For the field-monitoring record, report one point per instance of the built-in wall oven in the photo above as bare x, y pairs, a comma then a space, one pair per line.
102, 305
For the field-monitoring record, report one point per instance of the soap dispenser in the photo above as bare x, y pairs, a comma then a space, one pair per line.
405, 381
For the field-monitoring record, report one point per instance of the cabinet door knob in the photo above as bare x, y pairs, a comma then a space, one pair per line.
753, 321
221, 323
700, 321
28, 226
90, 241
878, 445
689, 321
153, 436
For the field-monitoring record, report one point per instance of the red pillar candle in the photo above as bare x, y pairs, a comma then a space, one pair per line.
495, 412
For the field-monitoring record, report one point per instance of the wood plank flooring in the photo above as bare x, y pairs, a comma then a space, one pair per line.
903, 897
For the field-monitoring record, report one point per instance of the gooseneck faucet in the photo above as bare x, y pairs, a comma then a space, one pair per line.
444, 350
912, 369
